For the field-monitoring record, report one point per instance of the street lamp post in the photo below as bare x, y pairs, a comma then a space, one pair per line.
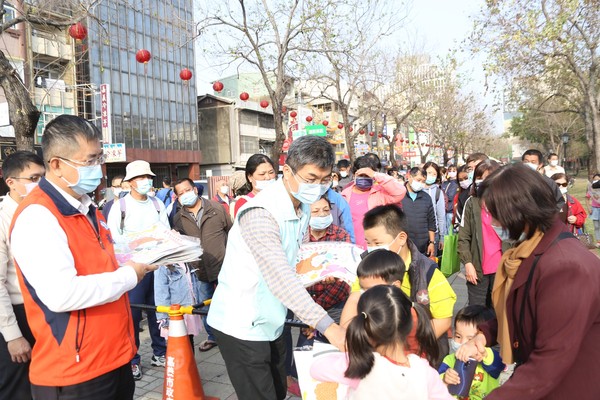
565, 139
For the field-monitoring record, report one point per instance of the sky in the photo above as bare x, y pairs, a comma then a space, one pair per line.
435, 25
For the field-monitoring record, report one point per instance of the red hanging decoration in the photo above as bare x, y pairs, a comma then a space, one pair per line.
341, 126
379, 135
293, 114
264, 103
362, 131
413, 142
309, 119
143, 56
185, 74
78, 31
426, 144
351, 129
325, 122
218, 86
283, 109
371, 133
244, 96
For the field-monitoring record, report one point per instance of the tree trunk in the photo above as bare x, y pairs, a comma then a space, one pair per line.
23, 113
595, 129
280, 135
349, 137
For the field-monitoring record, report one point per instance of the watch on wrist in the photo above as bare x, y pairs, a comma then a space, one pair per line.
431, 242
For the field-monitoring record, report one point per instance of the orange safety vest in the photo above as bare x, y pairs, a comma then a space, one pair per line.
74, 347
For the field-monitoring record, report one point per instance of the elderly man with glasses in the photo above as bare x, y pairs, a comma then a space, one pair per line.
73, 289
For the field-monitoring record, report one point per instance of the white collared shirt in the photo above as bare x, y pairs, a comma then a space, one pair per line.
41, 249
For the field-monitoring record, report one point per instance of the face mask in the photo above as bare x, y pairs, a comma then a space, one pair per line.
563, 190
553, 163
452, 175
343, 174
262, 185
416, 185
364, 183
454, 346
325, 188
335, 184
188, 199
532, 166
430, 180
471, 175
465, 184
307, 193
28, 188
224, 189
320, 223
383, 246
151, 193
88, 178
117, 192
143, 186
504, 235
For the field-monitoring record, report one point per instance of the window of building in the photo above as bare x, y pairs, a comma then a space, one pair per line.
248, 118
9, 14
265, 121
249, 144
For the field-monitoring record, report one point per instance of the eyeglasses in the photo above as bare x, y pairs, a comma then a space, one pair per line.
324, 181
89, 163
563, 184
32, 178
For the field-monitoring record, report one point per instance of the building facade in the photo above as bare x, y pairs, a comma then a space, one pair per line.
151, 111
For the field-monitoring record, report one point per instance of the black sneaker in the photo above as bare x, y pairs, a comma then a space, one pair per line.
136, 370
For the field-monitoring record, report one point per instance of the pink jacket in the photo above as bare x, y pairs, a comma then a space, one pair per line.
385, 190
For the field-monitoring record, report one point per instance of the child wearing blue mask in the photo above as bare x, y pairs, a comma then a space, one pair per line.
487, 372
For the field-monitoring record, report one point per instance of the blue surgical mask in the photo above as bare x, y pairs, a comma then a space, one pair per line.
364, 182
143, 186
454, 346
325, 188
307, 193
320, 223
89, 178
430, 180
262, 185
504, 235
471, 175
188, 199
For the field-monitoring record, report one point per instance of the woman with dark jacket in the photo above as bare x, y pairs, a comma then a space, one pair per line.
479, 247
546, 295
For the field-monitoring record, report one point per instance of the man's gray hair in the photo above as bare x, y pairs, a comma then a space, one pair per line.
61, 135
307, 150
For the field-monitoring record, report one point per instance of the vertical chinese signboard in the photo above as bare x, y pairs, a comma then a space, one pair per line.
105, 109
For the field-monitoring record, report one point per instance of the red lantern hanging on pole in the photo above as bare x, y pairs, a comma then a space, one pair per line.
244, 96
143, 56
325, 122
362, 131
293, 114
371, 133
340, 126
309, 119
379, 135
351, 129
264, 104
78, 31
218, 86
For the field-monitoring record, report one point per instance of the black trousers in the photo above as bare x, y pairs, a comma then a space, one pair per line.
256, 369
114, 385
14, 377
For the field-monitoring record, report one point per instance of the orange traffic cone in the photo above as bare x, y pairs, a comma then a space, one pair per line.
182, 380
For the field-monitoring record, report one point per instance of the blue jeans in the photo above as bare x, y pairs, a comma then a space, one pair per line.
143, 293
207, 290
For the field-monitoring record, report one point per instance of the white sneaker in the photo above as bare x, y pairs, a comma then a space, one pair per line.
158, 361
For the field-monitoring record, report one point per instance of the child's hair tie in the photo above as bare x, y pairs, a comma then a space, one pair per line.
364, 314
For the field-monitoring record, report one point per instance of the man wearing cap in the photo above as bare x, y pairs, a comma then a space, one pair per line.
133, 213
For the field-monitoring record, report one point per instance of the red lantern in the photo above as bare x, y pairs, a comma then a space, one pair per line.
309, 119
413, 142
371, 133
78, 31
293, 114
244, 96
217, 86
143, 56
351, 129
379, 135
401, 140
283, 109
185, 74
341, 126
325, 122
362, 131
264, 103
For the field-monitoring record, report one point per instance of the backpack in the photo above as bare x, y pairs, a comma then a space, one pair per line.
165, 196
123, 207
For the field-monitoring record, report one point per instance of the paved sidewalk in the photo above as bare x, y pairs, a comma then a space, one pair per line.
212, 367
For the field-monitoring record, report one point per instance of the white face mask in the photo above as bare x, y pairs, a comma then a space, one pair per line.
454, 346
532, 166
262, 185
224, 189
343, 174
563, 190
553, 163
451, 174
465, 184
334, 184
416, 185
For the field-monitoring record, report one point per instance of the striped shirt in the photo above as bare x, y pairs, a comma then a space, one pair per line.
261, 233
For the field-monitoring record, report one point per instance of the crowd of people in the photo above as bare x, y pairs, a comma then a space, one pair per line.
533, 287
